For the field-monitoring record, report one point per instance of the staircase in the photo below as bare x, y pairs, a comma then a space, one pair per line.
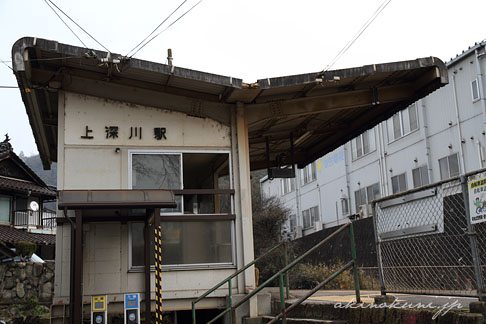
230, 314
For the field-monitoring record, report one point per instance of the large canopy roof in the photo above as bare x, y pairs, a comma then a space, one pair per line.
321, 110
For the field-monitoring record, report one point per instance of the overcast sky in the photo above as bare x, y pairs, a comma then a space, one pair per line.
247, 39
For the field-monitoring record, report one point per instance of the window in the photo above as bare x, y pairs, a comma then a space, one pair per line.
399, 183
293, 223
203, 240
449, 166
402, 123
475, 90
308, 174
363, 144
310, 216
288, 185
186, 243
5, 209
345, 206
420, 176
366, 195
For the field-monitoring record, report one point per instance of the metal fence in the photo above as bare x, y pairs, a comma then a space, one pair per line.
432, 240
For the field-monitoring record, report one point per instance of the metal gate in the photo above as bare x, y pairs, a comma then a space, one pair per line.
432, 240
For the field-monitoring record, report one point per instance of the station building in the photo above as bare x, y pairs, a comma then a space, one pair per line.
146, 150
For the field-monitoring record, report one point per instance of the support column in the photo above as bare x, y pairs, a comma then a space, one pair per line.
146, 234
78, 268
158, 267
243, 207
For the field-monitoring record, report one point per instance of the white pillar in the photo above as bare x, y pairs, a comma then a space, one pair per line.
241, 167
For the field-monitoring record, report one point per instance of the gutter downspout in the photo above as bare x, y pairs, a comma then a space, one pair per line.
385, 167
458, 121
346, 172
426, 140
380, 161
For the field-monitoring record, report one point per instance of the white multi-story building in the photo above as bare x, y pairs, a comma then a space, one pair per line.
438, 137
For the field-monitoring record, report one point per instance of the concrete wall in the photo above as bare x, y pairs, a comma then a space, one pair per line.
96, 164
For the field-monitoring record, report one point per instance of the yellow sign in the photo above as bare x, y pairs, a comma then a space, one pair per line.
98, 303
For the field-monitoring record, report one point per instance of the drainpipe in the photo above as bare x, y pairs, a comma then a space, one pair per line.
480, 154
426, 139
297, 198
346, 171
381, 150
482, 99
385, 167
458, 121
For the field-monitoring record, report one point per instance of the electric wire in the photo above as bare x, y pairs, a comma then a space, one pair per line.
357, 35
72, 31
78, 26
185, 13
8, 87
183, 2
5, 63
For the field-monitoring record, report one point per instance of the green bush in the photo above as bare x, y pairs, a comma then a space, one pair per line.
25, 249
307, 276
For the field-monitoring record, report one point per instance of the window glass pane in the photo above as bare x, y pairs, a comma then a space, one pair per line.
424, 175
371, 138
389, 124
373, 192
417, 182
344, 206
395, 187
453, 165
397, 133
366, 144
313, 171
444, 169
306, 218
359, 147
357, 199
413, 117
4, 209
188, 242
475, 90
406, 122
402, 180
156, 171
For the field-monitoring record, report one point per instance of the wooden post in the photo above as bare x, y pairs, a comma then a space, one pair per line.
78, 267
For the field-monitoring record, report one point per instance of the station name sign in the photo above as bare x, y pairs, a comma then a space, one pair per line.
113, 132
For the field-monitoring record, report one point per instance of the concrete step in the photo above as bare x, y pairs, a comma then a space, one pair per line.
266, 319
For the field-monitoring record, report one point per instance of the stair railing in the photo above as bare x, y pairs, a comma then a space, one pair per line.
284, 273
282, 245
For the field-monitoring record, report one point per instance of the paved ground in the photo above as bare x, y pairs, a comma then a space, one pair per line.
345, 296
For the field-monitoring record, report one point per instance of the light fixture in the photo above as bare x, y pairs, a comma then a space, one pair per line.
117, 150
303, 137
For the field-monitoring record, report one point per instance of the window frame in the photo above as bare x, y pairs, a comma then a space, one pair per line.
400, 114
309, 210
420, 173
367, 199
404, 174
287, 182
309, 169
447, 158
356, 149
475, 81
195, 266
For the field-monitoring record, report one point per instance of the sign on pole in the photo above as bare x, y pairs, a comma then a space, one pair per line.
477, 197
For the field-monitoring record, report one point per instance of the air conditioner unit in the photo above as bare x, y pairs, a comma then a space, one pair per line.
318, 225
363, 211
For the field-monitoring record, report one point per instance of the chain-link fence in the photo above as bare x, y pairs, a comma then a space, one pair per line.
432, 240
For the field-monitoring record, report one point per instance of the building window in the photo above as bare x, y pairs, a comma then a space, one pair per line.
399, 183
449, 166
310, 216
288, 185
204, 241
402, 123
293, 223
308, 174
186, 243
420, 176
475, 90
366, 195
5, 209
345, 206
363, 144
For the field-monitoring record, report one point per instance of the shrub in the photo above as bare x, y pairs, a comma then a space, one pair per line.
25, 249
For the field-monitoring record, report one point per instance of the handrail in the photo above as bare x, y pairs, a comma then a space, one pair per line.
280, 274
228, 279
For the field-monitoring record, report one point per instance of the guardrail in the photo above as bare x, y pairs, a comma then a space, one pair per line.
42, 220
